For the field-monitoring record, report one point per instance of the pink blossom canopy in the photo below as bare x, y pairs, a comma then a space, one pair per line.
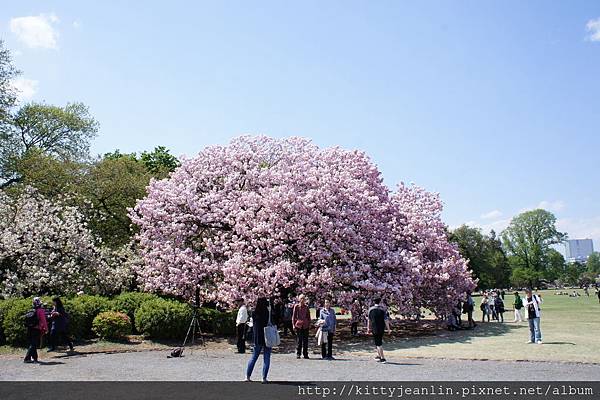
263, 217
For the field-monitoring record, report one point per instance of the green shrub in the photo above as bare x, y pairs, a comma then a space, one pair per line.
217, 322
111, 325
224, 323
4, 307
163, 319
82, 310
128, 303
14, 322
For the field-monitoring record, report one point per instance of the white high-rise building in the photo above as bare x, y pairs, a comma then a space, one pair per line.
578, 249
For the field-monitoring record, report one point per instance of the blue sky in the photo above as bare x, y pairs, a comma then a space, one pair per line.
496, 105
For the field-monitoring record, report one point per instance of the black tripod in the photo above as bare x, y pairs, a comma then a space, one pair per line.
194, 327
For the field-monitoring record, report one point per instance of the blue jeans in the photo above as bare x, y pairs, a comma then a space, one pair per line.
266, 360
534, 329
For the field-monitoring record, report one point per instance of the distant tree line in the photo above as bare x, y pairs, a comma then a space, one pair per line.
523, 255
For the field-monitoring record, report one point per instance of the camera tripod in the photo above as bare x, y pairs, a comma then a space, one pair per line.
195, 328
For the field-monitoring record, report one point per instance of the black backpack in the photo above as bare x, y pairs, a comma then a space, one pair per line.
176, 352
31, 319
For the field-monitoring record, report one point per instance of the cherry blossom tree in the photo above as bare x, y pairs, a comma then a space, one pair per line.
46, 248
264, 217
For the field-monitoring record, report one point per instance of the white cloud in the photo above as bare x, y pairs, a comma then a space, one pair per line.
76, 24
36, 31
492, 215
496, 226
27, 88
553, 206
593, 27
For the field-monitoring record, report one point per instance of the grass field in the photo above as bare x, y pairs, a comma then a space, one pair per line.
570, 330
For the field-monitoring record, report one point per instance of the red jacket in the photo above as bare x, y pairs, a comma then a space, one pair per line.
301, 317
42, 323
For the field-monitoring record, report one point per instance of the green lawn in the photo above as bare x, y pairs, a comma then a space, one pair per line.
570, 330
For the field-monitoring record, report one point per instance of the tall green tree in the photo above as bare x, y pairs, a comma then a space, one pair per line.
556, 265
593, 263
528, 238
60, 132
159, 162
112, 185
485, 254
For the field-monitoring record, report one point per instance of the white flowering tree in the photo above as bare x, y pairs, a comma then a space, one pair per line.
46, 247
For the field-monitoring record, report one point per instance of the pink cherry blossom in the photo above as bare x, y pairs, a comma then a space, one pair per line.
265, 217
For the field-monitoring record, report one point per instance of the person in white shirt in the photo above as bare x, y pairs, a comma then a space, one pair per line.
531, 303
240, 321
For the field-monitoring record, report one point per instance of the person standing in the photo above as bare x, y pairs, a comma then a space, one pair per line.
37, 326
301, 323
532, 304
356, 311
377, 324
240, 321
59, 324
492, 305
469, 307
517, 305
484, 307
327, 315
260, 319
288, 310
499, 305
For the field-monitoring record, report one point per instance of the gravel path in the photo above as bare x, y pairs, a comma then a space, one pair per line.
226, 366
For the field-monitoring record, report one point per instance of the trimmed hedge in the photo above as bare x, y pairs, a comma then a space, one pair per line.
82, 310
153, 316
163, 319
4, 307
129, 302
111, 325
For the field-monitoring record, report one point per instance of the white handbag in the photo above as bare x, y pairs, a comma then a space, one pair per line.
271, 333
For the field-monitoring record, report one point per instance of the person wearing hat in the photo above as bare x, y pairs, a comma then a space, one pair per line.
36, 331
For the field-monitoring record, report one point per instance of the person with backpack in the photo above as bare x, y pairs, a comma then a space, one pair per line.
532, 304
517, 305
37, 326
499, 305
59, 323
260, 319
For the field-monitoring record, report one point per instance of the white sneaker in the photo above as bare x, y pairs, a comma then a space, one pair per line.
539, 342
530, 342
247, 379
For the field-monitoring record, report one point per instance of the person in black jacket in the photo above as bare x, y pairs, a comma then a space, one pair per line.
58, 329
260, 319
